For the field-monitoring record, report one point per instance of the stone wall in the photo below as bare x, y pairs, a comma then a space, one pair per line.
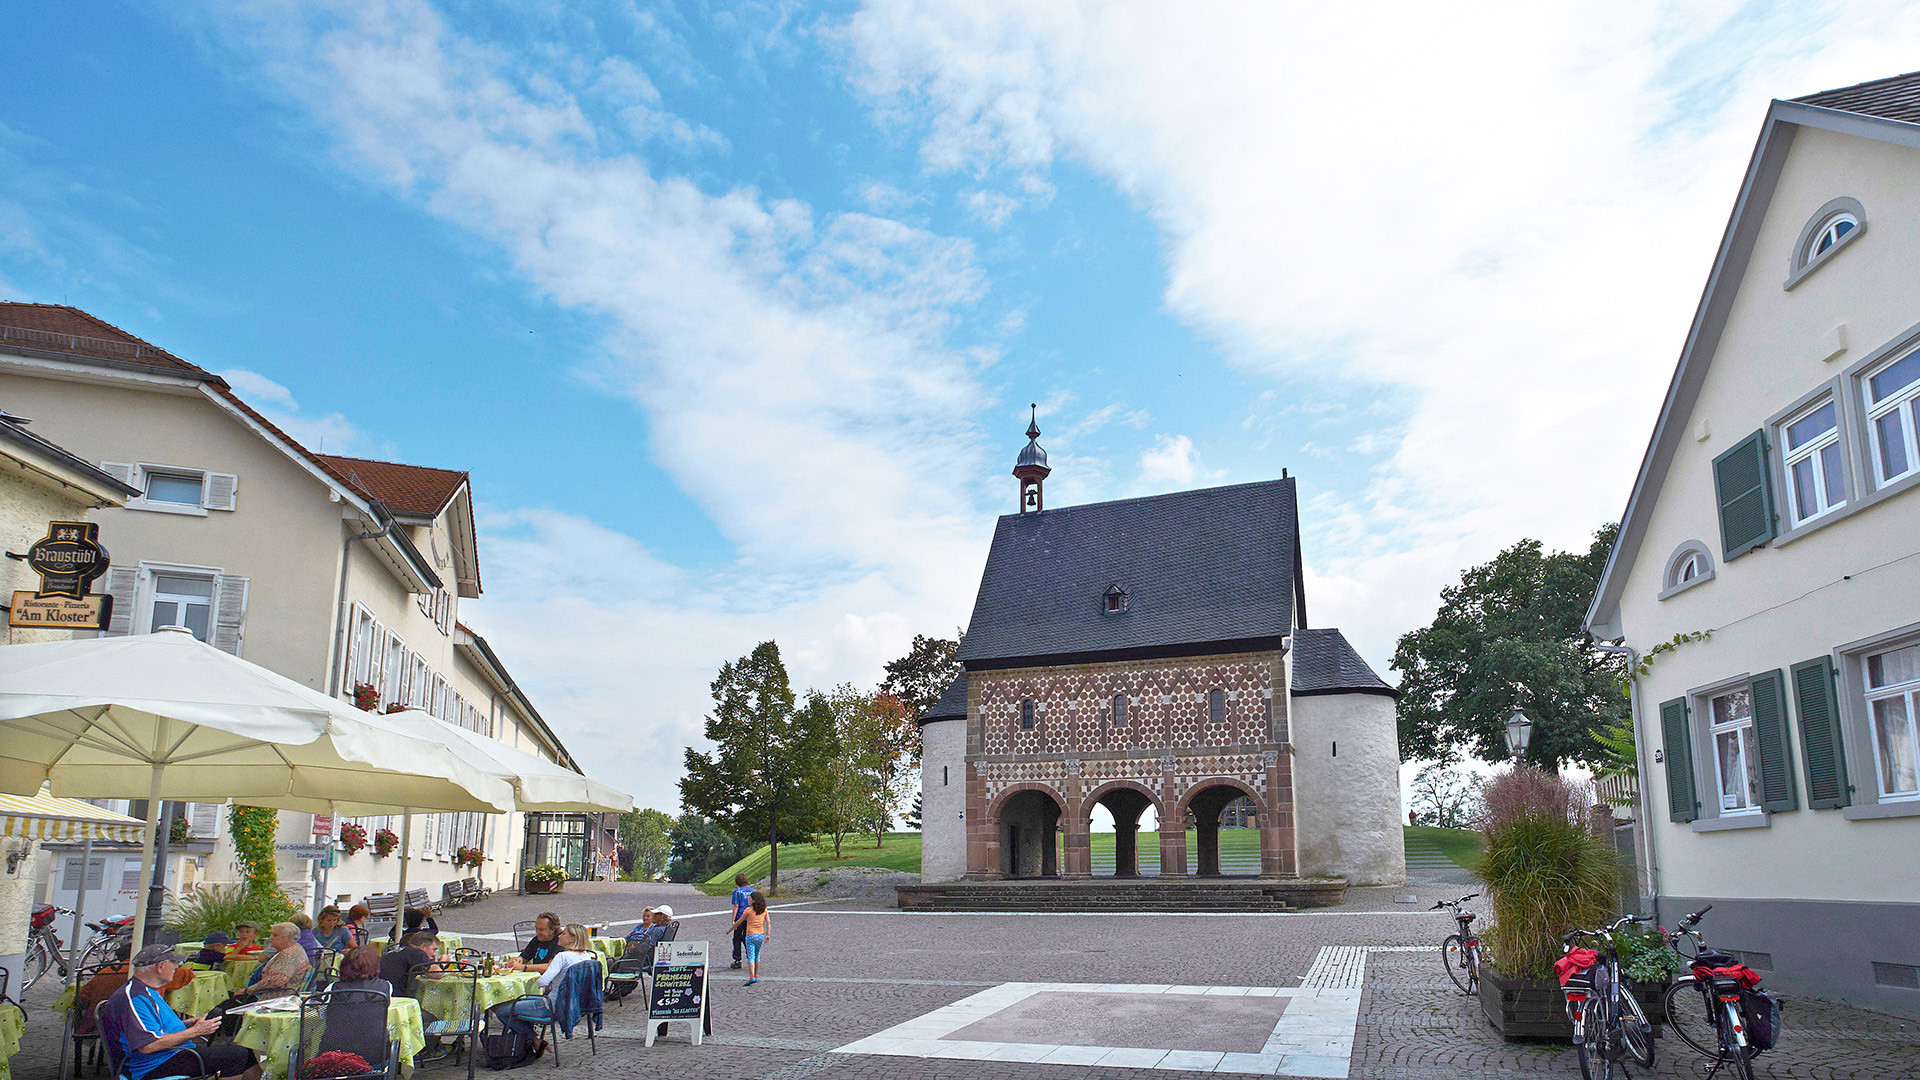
943, 800
1346, 773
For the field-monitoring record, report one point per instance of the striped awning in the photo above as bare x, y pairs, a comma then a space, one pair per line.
43, 817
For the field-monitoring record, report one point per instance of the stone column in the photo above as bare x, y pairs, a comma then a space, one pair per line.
1206, 837
1077, 859
1277, 855
1126, 848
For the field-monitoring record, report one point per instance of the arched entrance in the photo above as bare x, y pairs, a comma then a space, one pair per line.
1029, 824
1126, 801
1204, 804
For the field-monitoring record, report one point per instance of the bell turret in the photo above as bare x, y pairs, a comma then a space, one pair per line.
1031, 468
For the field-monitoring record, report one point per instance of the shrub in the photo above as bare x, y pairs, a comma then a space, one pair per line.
205, 908
544, 874
1546, 870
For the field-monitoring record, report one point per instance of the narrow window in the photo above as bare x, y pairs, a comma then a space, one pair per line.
1893, 703
1119, 710
943, 776
1816, 472
1217, 706
180, 600
1893, 410
1735, 757
1026, 714
179, 489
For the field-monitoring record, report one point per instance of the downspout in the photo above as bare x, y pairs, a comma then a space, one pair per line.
1643, 825
340, 610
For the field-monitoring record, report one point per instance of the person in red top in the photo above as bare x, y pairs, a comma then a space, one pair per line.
246, 945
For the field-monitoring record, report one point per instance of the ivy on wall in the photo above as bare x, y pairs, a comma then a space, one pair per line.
253, 828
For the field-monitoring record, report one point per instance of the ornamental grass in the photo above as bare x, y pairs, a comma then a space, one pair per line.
201, 910
1547, 871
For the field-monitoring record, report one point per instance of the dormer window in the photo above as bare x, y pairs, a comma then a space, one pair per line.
1115, 600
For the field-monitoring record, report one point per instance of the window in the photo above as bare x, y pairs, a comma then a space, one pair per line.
1830, 233
1026, 714
1893, 415
943, 776
1115, 600
1119, 710
1689, 565
1893, 708
1735, 758
1839, 223
1816, 471
180, 489
1217, 706
182, 600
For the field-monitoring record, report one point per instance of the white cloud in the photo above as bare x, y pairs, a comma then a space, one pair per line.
329, 434
1172, 464
1503, 214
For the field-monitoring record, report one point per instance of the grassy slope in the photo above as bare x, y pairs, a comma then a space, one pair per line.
902, 852
1460, 845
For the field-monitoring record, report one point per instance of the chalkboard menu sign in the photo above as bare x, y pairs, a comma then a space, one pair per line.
679, 986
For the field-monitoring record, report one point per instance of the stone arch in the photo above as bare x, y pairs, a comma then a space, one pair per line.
1204, 800
1129, 799
1186, 800
1026, 824
1000, 800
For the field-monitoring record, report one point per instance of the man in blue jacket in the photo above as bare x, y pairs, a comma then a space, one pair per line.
742, 896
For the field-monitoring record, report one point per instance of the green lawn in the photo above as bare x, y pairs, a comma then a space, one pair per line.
1239, 851
902, 852
1460, 845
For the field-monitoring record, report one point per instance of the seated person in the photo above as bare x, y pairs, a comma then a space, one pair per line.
306, 939
540, 951
112, 977
332, 932
282, 975
147, 1037
357, 917
573, 947
213, 951
358, 1026
420, 919
397, 964
246, 943
643, 938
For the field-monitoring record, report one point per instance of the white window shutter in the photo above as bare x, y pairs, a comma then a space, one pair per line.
229, 612
203, 820
119, 470
122, 582
219, 491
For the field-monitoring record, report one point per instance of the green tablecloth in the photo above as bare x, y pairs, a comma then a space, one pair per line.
448, 943
208, 988
272, 1035
447, 998
12, 1023
238, 972
609, 947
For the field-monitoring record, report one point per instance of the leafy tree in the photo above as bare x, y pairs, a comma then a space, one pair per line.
700, 849
873, 742
1509, 636
767, 774
920, 677
1445, 796
646, 841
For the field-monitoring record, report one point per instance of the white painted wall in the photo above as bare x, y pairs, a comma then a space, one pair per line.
943, 828
1347, 804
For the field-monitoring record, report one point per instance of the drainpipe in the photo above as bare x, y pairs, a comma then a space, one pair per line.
340, 610
1643, 826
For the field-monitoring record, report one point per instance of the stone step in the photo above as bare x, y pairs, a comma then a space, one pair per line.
1142, 894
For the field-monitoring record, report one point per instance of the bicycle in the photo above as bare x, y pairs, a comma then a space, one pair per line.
45, 952
1607, 1021
1715, 1015
1460, 952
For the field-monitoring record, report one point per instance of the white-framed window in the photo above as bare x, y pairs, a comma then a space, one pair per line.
1893, 418
177, 488
182, 599
1736, 758
1829, 233
1893, 711
1689, 567
1815, 466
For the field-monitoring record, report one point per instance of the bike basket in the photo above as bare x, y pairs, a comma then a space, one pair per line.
43, 916
1762, 1014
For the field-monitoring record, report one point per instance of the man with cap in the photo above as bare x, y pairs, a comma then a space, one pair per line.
213, 951
151, 1041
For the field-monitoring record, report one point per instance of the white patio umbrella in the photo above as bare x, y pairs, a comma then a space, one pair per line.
183, 720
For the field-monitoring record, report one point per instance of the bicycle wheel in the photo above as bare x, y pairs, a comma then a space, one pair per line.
1687, 1017
101, 949
1595, 1061
1453, 953
1636, 1034
35, 964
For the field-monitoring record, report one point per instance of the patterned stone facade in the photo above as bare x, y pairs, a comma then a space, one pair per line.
1170, 750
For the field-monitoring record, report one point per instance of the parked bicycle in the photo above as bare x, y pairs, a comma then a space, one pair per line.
45, 952
1719, 1008
1608, 1023
1460, 952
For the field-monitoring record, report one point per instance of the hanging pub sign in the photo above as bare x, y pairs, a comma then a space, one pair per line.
68, 559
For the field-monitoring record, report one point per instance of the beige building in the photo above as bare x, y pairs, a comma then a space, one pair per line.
333, 571
1777, 512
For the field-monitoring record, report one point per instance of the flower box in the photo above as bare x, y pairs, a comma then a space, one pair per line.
1520, 1008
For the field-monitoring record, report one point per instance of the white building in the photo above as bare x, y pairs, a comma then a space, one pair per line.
1776, 510
332, 571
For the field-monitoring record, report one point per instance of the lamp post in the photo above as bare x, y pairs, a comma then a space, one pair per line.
1519, 733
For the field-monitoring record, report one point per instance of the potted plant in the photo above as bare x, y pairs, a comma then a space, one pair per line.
545, 878
366, 697
469, 856
1649, 964
1547, 872
384, 842
353, 837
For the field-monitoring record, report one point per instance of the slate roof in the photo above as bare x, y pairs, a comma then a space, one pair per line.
1893, 98
1323, 663
404, 489
952, 704
1217, 566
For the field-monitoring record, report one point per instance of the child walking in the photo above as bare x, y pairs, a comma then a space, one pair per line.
758, 924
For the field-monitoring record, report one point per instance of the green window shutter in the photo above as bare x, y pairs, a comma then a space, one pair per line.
1746, 497
1818, 704
1679, 739
1776, 746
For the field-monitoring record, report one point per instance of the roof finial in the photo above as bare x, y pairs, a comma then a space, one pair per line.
1033, 425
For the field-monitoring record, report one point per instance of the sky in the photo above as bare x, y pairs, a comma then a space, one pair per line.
734, 312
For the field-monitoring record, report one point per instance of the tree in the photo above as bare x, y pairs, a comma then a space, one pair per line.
700, 849
1445, 797
1510, 636
913, 815
920, 677
767, 774
647, 836
873, 742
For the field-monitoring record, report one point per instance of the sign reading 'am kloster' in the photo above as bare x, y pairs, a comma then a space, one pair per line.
68, 559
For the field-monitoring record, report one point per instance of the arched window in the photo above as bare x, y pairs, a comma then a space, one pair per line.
1119, 710
1831, 228
1689, 565
1217, 706
1026, 714
1832, 231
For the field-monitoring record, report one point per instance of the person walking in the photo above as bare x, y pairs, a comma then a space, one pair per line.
742, 896
757, 923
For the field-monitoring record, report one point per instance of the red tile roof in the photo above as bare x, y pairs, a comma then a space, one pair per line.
404, 489
59, 328
1894, 98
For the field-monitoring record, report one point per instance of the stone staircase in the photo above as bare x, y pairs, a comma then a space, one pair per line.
1224, 894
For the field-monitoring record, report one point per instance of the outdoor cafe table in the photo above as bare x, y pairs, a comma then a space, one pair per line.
446, 998
238, 972
609, 947
208, 988
272, 1033
448, 943
12, 1022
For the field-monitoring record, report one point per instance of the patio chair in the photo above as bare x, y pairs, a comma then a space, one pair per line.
626, 974
522, 933
459, 1033
80, 1020
580, 976
467, 955
347, 1021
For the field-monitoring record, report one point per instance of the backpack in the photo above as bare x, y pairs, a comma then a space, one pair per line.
506, 1048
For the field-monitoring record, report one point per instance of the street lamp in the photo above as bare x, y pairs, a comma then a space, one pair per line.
1519, 732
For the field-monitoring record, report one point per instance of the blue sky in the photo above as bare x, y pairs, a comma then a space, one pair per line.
744, 303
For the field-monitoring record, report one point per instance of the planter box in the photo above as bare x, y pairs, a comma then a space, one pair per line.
1524, 1008
536, 888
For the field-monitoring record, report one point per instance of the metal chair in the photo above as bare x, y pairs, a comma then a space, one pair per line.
347, 1021
462, 1029
523, 933
625, 975
79, 1016
110, 1041
591, 1017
